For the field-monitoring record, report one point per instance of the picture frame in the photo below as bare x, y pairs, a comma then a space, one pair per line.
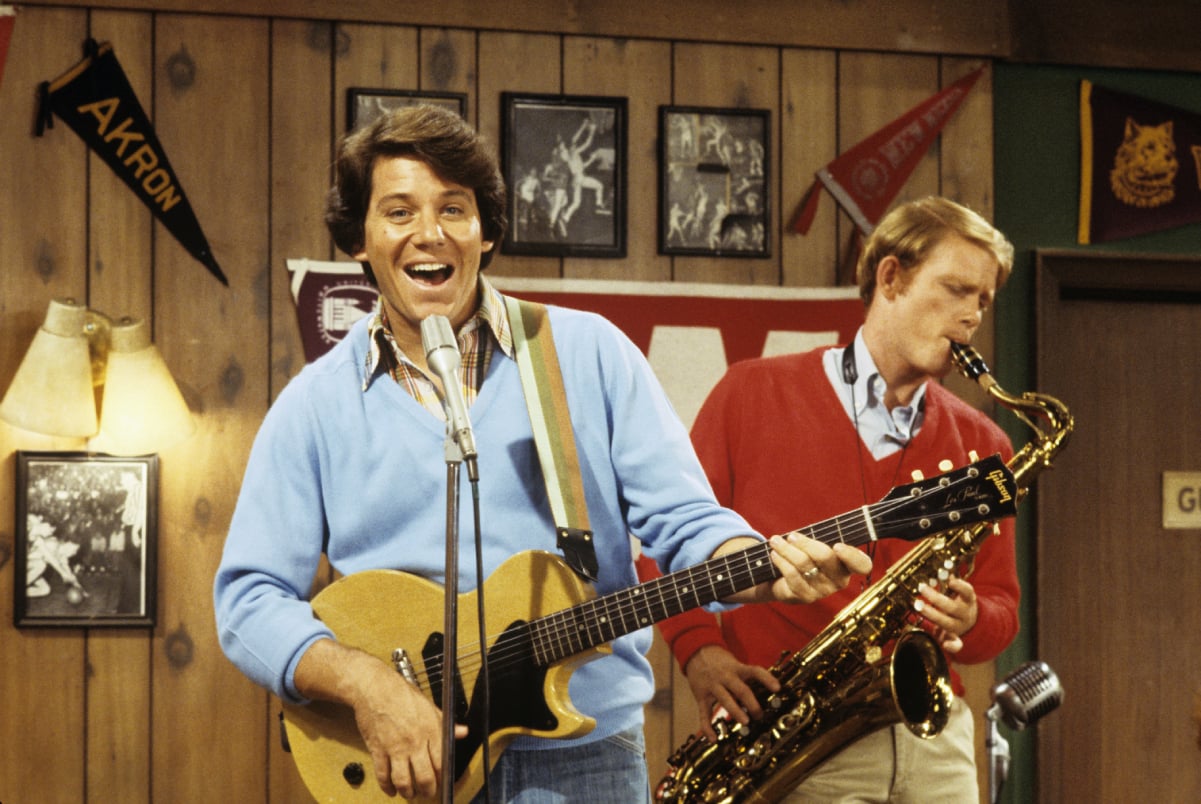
564, 161
86, 551
714, 196
363, 104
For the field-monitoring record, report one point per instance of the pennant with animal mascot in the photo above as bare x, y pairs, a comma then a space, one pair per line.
96, 100
1140, 165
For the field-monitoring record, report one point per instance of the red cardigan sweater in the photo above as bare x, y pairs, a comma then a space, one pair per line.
778, 448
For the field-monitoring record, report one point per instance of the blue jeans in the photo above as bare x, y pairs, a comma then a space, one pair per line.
608, 771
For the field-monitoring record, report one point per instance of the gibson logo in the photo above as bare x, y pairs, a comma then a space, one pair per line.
998, 479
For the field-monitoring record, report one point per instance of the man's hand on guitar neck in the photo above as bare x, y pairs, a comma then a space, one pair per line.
401, 726
809, 570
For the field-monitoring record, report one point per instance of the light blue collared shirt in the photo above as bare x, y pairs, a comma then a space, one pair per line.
882, 431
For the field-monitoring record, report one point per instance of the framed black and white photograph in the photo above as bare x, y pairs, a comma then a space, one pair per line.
713, 192
86, 540
364, 105
564, 160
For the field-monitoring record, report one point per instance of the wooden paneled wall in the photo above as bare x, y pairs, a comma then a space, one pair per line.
247, 109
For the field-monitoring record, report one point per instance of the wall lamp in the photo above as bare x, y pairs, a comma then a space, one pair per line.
88, 376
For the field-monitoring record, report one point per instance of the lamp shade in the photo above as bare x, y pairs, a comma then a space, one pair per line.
52, 391
142, 410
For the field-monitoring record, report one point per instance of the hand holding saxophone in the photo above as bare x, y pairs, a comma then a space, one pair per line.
952, 612
724, 686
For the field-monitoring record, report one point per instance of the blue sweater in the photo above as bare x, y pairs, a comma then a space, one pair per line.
361, 476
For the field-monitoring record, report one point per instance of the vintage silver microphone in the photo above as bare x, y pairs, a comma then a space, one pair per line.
1020, 699
1026, 695
442, 355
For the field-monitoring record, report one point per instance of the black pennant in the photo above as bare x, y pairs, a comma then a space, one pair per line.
96, 100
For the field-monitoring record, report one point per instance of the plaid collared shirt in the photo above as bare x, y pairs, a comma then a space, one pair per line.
475, 346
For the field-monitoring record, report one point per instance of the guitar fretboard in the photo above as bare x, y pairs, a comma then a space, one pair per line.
983, 490
571, 631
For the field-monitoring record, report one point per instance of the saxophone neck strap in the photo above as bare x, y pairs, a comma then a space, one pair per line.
546, 401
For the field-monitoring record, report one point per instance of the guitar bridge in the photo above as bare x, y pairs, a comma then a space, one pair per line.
404, 665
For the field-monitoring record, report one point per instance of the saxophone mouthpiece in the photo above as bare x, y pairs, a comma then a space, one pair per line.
969, 362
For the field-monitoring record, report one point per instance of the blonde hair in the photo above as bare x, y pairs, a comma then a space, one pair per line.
912, 230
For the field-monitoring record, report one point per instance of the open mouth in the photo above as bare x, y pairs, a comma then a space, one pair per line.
433, 274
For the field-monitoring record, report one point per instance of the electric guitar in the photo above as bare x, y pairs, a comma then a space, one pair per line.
551, 622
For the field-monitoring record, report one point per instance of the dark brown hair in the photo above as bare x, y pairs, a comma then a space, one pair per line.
438, 137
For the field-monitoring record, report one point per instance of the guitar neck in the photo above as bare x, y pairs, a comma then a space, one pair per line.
594, 622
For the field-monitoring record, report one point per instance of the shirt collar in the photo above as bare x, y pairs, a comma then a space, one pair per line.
382, 349
869, 389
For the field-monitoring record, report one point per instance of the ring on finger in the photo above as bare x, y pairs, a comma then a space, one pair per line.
810, 573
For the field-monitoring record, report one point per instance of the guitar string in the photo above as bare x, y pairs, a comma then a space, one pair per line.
550, 629
553, 624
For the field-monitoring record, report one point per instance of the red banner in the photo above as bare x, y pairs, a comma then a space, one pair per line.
1140, 165
8, 17
865, 180
689, 332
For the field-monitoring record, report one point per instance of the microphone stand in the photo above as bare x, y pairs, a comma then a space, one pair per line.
450, 629
998, 756
450, 623
442, 355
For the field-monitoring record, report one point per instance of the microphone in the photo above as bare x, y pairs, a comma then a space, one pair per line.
1026, 695
442, 354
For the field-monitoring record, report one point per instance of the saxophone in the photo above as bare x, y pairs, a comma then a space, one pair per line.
843, 685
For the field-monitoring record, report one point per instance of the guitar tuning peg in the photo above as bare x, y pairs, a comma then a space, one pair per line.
973, 456
917, 475
945, 465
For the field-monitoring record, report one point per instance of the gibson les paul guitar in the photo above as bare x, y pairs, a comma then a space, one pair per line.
550, 622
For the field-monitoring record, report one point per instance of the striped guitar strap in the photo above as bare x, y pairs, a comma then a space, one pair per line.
546, 400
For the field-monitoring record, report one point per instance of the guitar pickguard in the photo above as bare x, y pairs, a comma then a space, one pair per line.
516, 683
362, 609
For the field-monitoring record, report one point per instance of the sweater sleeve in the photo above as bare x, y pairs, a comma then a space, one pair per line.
264, 622
994, 579
690, 631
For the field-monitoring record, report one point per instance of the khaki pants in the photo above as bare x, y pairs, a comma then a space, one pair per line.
892, 765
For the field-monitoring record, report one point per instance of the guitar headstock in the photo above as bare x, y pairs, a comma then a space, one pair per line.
981, 491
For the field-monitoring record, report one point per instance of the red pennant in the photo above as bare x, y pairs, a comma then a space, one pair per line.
866, 179
8, 17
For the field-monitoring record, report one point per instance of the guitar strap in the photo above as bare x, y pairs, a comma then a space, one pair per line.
546, 400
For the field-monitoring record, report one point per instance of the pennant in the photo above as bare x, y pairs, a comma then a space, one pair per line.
1140, 165
96, 100
865, 180
8, 17
330, 297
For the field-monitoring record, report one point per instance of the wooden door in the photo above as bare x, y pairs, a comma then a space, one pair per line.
1118, 595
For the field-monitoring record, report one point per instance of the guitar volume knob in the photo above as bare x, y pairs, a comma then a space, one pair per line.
354, 774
